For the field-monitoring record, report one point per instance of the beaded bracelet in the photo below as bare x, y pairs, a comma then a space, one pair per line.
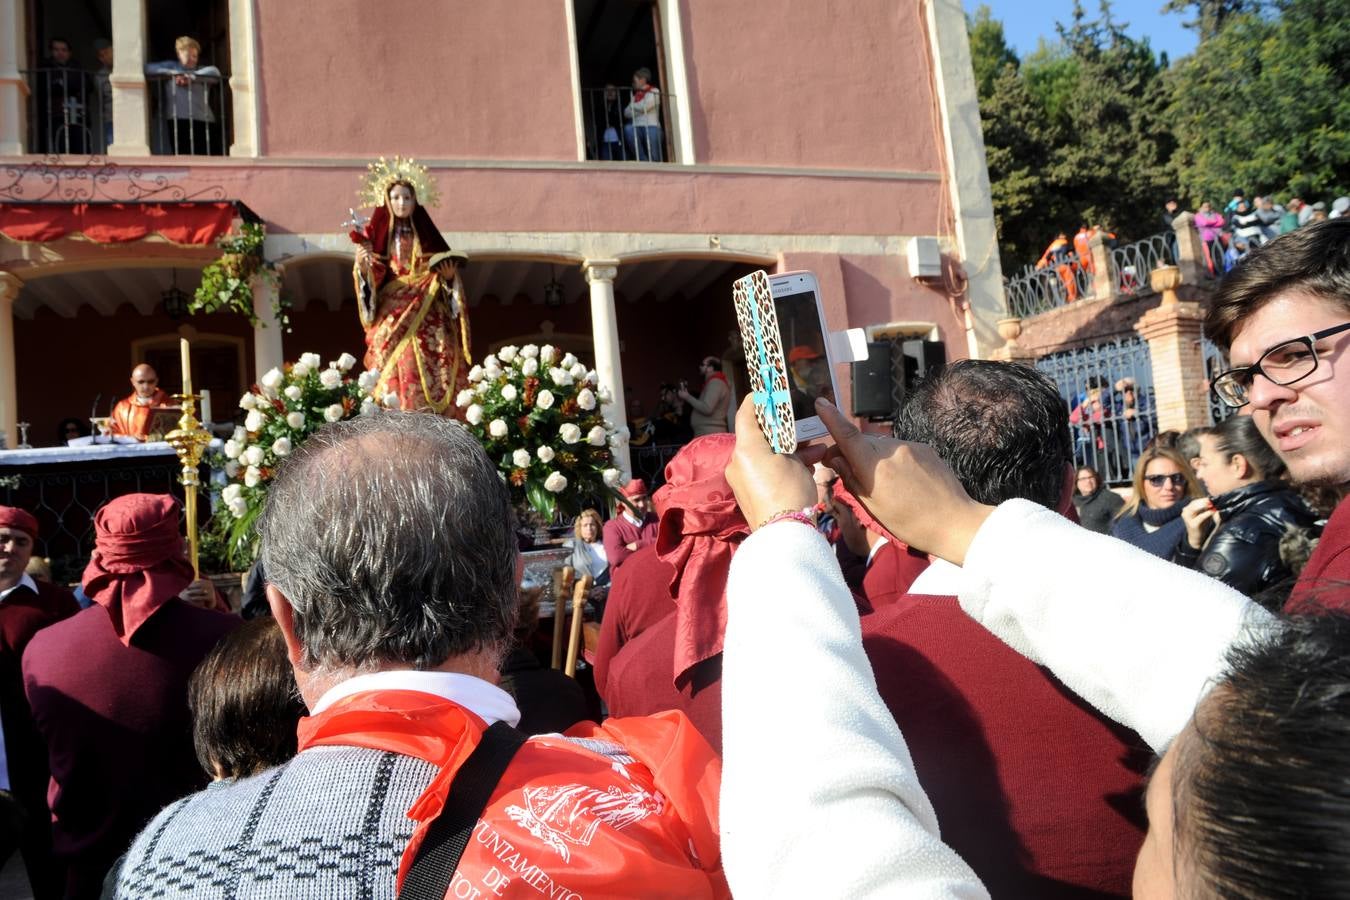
805, 515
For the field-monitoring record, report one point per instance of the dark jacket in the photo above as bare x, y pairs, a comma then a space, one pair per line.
1170, 529
1244, 551
1098, 510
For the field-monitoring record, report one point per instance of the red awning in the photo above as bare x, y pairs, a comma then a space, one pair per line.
115, 223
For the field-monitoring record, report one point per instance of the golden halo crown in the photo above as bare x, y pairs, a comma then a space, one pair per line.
382, 174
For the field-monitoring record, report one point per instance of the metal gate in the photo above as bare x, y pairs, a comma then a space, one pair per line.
1108, 388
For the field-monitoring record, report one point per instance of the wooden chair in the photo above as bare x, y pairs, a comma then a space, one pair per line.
562, 586
583, 587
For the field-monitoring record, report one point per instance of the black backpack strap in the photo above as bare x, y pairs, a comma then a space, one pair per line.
438, 856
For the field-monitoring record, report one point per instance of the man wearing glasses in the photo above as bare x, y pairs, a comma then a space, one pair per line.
1284, 316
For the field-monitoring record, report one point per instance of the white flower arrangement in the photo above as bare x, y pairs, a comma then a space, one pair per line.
534, 417
283, 409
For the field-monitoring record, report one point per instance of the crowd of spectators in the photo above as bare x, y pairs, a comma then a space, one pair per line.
1243, 225
885, 666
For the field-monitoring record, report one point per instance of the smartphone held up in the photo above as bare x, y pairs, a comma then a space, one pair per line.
789, 358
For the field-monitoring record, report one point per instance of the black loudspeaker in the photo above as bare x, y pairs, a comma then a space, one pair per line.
872, 383
921, 358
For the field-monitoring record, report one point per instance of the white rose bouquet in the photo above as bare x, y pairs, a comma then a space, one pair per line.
282, 410
542, 426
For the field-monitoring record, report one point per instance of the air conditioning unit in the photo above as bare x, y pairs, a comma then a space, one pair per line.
924, 256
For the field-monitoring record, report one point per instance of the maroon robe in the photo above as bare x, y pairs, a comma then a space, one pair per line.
1325, 580
1041, 795
640, 682
22, 614
117, 726
639, 597
619, 533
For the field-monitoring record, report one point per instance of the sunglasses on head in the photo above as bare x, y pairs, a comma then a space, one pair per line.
1177, 479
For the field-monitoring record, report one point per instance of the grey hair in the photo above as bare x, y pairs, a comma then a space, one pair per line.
392, 536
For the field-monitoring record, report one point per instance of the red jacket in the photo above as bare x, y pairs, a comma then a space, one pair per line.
1036, 791
639, 597
1325, 580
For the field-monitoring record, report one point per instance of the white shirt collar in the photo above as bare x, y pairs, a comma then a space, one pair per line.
25, 580
629, 516
871, 554
487, 701
940, 579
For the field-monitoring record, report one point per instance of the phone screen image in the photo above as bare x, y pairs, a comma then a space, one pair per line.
808, 368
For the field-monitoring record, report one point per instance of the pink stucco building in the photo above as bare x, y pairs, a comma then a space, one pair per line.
792, 135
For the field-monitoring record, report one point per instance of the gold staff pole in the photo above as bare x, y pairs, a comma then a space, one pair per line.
189, 441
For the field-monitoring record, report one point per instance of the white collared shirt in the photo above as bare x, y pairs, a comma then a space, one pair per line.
940, 579
25, 580
487, 701
872, 554
629, 516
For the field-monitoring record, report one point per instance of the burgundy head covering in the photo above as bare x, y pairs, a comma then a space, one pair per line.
700, 528
19, 520
138, 563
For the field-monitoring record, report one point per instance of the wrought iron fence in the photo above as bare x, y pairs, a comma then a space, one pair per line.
69, 111
1133, 263
1061, 282
189, 114
1108, 388
621, 126
1216, 362
64, 498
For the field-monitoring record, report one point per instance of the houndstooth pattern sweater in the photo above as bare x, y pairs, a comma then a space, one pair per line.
329, 824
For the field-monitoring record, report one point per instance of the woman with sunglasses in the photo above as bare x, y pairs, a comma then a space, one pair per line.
1151, 520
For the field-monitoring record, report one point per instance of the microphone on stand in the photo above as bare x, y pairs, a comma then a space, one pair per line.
93, 407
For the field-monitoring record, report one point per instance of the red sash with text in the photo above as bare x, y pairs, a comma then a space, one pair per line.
630, 812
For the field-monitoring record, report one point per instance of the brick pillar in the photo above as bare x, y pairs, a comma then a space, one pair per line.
1190, 250
1173, 335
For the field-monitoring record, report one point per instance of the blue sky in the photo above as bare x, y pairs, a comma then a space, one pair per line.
1025, 21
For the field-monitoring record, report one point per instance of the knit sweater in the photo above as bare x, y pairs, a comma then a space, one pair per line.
330, 823
1170, 528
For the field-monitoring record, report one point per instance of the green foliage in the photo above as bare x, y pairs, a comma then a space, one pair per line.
1072, 135
1095, 128
227, 282
989, 50
1265, 105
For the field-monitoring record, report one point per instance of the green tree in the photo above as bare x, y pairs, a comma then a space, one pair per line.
989, 50
1210, 15
1265, 105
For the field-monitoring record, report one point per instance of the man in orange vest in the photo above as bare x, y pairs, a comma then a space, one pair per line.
1057, 255
392, 571
131, 415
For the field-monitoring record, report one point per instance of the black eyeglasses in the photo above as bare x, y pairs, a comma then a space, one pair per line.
1177, 479
1286, 363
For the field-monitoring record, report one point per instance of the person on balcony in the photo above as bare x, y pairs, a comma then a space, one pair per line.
1210, 225
63, 94
131, 416
103, 50
188, 124
643, 134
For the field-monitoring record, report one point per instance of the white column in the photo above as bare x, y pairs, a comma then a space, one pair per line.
131, 105
12, 92
9, 370
243, 77
967, 176
267, 351
600, 274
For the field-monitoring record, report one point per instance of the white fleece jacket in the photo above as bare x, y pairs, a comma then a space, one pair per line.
1141, 639
819, 794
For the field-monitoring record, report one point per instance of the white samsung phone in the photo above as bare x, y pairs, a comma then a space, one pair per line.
806, 348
